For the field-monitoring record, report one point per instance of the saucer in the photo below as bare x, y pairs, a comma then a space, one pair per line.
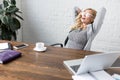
37, 49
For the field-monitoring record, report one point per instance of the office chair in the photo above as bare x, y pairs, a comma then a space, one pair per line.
96, 26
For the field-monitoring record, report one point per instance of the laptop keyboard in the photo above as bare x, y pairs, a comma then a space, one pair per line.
75, 67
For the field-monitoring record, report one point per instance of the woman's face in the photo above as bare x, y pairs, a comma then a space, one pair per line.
87, 17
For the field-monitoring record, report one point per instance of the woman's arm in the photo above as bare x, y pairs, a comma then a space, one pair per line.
99, 19
77, 11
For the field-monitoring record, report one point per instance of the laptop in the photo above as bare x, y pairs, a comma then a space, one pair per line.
91, 63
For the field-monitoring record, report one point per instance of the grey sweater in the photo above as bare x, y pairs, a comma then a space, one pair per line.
78, 38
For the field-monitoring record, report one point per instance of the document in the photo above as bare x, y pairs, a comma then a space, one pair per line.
97, 75
5, 46
85, 76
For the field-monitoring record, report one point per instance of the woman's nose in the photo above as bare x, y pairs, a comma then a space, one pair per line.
83, 14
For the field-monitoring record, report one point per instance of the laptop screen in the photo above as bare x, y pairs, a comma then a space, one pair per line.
97, 62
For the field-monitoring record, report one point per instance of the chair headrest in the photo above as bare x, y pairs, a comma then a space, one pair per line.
97, 25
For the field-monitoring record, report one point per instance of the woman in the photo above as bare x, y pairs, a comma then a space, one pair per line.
80, 31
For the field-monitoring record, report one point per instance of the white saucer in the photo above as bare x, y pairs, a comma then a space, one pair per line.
37, 49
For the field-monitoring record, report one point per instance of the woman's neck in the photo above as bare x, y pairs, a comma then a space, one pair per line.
84, 26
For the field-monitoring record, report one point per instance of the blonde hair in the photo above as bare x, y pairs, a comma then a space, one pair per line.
78, 24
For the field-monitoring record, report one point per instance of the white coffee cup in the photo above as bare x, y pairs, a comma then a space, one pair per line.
39, 45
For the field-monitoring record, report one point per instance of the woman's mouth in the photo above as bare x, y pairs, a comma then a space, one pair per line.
82, 19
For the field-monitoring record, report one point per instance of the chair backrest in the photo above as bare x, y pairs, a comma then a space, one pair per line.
96, 25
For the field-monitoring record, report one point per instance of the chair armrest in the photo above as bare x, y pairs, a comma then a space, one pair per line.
61, 45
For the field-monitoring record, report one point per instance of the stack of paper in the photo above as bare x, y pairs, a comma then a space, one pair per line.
85, 76
97, 75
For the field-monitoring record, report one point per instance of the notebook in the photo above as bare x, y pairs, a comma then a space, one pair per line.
91, 63
8, 55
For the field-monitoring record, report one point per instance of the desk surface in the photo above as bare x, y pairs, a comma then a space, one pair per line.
46, 65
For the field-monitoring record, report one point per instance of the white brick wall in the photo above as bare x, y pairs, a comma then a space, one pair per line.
49, 21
